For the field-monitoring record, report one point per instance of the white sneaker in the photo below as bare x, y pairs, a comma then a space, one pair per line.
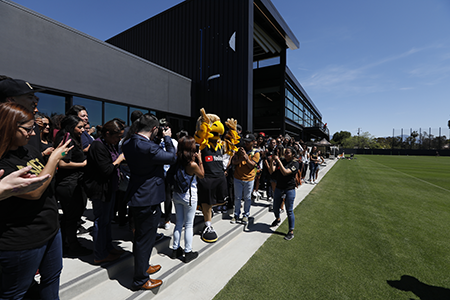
167, 226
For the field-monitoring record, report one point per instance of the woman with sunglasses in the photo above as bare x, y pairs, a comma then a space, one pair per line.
30, 238
44, 124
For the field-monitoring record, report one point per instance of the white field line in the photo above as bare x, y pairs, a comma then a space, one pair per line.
440, 187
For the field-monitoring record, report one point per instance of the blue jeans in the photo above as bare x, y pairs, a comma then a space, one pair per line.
242, 190
289, 201
185, 216
19, 268
103, 214
312, 171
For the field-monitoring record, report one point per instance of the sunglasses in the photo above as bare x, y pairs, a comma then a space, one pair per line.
29, 130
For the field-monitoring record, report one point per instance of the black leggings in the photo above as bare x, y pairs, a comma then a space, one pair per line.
73, 204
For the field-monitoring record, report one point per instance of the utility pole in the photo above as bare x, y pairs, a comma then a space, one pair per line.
359, 139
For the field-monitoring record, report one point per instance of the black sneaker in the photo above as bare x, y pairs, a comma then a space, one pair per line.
289, 236
177, 253
190, 256
209, 235
275, 223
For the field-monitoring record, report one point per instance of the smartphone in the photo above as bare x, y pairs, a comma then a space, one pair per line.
197, 147
66, 137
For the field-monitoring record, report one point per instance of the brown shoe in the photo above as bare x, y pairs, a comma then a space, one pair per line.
110, 257
151, 283
153, 269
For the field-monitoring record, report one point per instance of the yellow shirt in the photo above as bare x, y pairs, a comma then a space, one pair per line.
245, 172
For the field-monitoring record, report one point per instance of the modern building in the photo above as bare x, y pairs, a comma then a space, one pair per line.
234, 51
76, 68
228, 56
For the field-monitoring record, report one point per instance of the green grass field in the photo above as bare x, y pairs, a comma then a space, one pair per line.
369, 221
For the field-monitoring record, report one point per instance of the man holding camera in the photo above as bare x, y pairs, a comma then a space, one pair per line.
245, 162
146, 190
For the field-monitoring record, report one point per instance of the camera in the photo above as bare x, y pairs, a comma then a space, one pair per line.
163, 126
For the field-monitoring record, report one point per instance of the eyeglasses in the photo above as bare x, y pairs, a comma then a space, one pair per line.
29, 130
45, 125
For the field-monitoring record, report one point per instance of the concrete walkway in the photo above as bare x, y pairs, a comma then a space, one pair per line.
199, 279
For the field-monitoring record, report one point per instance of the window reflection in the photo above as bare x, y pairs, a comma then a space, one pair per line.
51, 104
116, 111
93, 107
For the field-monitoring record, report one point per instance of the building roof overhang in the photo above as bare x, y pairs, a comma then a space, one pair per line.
281, 25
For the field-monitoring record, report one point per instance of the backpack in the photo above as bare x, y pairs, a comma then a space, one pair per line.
176, 178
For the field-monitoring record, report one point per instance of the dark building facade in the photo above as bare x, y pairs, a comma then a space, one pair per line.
234, 51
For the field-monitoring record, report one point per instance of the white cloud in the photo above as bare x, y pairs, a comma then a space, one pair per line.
361, 80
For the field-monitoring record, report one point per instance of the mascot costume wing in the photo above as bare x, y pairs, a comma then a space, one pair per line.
209, 127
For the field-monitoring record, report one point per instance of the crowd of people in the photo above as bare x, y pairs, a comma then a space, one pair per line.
47, 164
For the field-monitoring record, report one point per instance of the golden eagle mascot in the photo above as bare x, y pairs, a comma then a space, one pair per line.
213, 188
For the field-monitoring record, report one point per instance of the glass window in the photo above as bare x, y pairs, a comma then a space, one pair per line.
300, 106
289, 95
289, 114
94, 109
289, 104
296, 111
115, 111
51, 104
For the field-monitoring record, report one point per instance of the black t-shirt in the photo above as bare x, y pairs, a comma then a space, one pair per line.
314, 156
70, 176
26, 224
213, 162
287, 182
35, 140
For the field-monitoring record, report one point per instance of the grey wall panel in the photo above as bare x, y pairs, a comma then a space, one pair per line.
48, 53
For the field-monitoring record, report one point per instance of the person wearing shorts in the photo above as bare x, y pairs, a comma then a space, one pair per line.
212, 190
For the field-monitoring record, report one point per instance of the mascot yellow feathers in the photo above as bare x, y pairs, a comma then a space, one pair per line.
209, 127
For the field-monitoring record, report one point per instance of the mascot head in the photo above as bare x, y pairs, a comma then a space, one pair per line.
216, 127
217, 130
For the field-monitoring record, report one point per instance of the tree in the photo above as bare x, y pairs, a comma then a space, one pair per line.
340, 136
362, 141
411, 140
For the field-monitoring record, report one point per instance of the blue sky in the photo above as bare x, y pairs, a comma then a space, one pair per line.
373, 65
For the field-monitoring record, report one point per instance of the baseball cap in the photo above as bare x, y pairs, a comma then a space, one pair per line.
249, 138
15, 87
